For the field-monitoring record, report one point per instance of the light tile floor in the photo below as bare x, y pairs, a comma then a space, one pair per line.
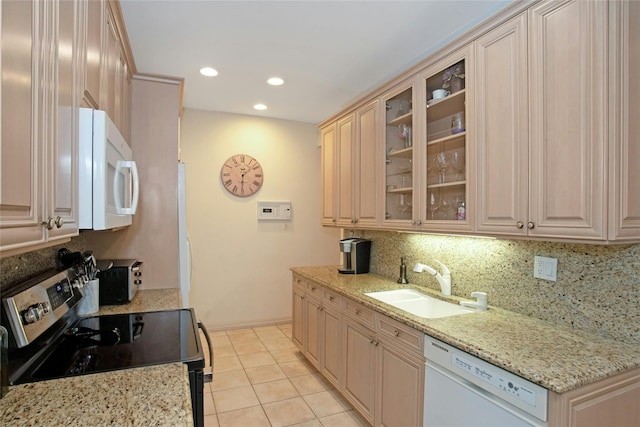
261, 379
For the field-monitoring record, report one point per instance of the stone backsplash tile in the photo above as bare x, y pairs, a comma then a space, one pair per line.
597, 287
20, 267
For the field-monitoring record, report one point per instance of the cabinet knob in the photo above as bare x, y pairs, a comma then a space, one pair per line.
530, 225
59, 222
519, 224
49, 222
330, 297
357, 311
376, 343
396, 333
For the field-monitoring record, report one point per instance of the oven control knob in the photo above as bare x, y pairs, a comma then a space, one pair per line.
34, 313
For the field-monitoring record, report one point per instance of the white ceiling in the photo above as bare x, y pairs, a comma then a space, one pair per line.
328, 52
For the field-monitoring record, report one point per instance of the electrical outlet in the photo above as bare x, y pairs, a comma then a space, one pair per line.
545, 268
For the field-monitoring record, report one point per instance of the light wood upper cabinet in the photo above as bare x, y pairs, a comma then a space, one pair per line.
502, 139
38, 204
568, 87
21, 207
328, 165
400, 178
367, 164
62, 184
92, 36
346, 142
349, 167
106, 70
447, 160
624, 125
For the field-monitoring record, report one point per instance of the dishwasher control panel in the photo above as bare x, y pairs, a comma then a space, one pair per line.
519, 392
512, 387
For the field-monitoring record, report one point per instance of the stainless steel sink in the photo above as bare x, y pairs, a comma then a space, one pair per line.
419, 304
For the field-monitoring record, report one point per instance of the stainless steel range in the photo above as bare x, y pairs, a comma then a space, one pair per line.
47, 339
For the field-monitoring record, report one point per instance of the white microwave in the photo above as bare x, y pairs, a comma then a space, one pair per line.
108, 177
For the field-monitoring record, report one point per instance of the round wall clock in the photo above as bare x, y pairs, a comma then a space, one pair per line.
241, 175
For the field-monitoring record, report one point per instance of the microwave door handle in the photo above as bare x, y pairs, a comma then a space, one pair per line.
126, 164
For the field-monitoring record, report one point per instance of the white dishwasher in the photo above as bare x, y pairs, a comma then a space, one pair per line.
462, 390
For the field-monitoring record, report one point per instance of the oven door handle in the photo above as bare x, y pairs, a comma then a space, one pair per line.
207, 372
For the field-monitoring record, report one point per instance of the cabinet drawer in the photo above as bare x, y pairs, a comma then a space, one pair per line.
358, 311
397, 333
314, 290
299, 284
332, 299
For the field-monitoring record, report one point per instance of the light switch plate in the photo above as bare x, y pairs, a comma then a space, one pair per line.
545, 268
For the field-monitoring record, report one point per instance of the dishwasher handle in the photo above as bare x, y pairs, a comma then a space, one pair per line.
208, 371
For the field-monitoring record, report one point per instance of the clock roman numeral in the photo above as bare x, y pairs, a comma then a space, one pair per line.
226, 174
242, 158
235, 189
258, 175
234, 160
228, 182
256, 183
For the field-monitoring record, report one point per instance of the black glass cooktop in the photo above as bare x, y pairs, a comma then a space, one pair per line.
112, 342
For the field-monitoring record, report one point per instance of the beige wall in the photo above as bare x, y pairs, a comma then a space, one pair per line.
153, 234
241, 267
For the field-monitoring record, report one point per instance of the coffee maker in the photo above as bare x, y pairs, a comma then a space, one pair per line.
357, 253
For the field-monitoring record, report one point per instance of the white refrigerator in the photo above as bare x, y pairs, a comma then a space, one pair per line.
184, 245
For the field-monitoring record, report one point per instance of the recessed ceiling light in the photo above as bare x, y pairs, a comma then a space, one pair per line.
275, 81
260, 107
208, 71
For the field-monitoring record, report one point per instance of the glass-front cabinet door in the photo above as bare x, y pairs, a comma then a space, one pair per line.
447, 199
399, 156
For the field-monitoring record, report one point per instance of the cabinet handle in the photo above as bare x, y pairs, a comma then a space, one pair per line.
375, 343
59, 222
530, 225
396, 333
519, 224
49, 222
357, 311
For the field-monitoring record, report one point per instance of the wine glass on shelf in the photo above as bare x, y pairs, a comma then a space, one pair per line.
446, 205
441, 162
405, 206
433, 204
457, 161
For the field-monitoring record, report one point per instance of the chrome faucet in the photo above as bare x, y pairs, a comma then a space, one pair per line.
444, 279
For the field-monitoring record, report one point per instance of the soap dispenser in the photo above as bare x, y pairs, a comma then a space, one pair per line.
403, 271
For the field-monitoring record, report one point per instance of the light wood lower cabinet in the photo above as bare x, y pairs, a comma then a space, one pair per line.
610, 402
360, 361
377, 364
374, 361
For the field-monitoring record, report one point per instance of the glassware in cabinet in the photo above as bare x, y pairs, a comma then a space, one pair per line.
446, 143
399, 140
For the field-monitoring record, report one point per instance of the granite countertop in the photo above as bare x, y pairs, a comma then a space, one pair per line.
555, 357
155, 395
146, 300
